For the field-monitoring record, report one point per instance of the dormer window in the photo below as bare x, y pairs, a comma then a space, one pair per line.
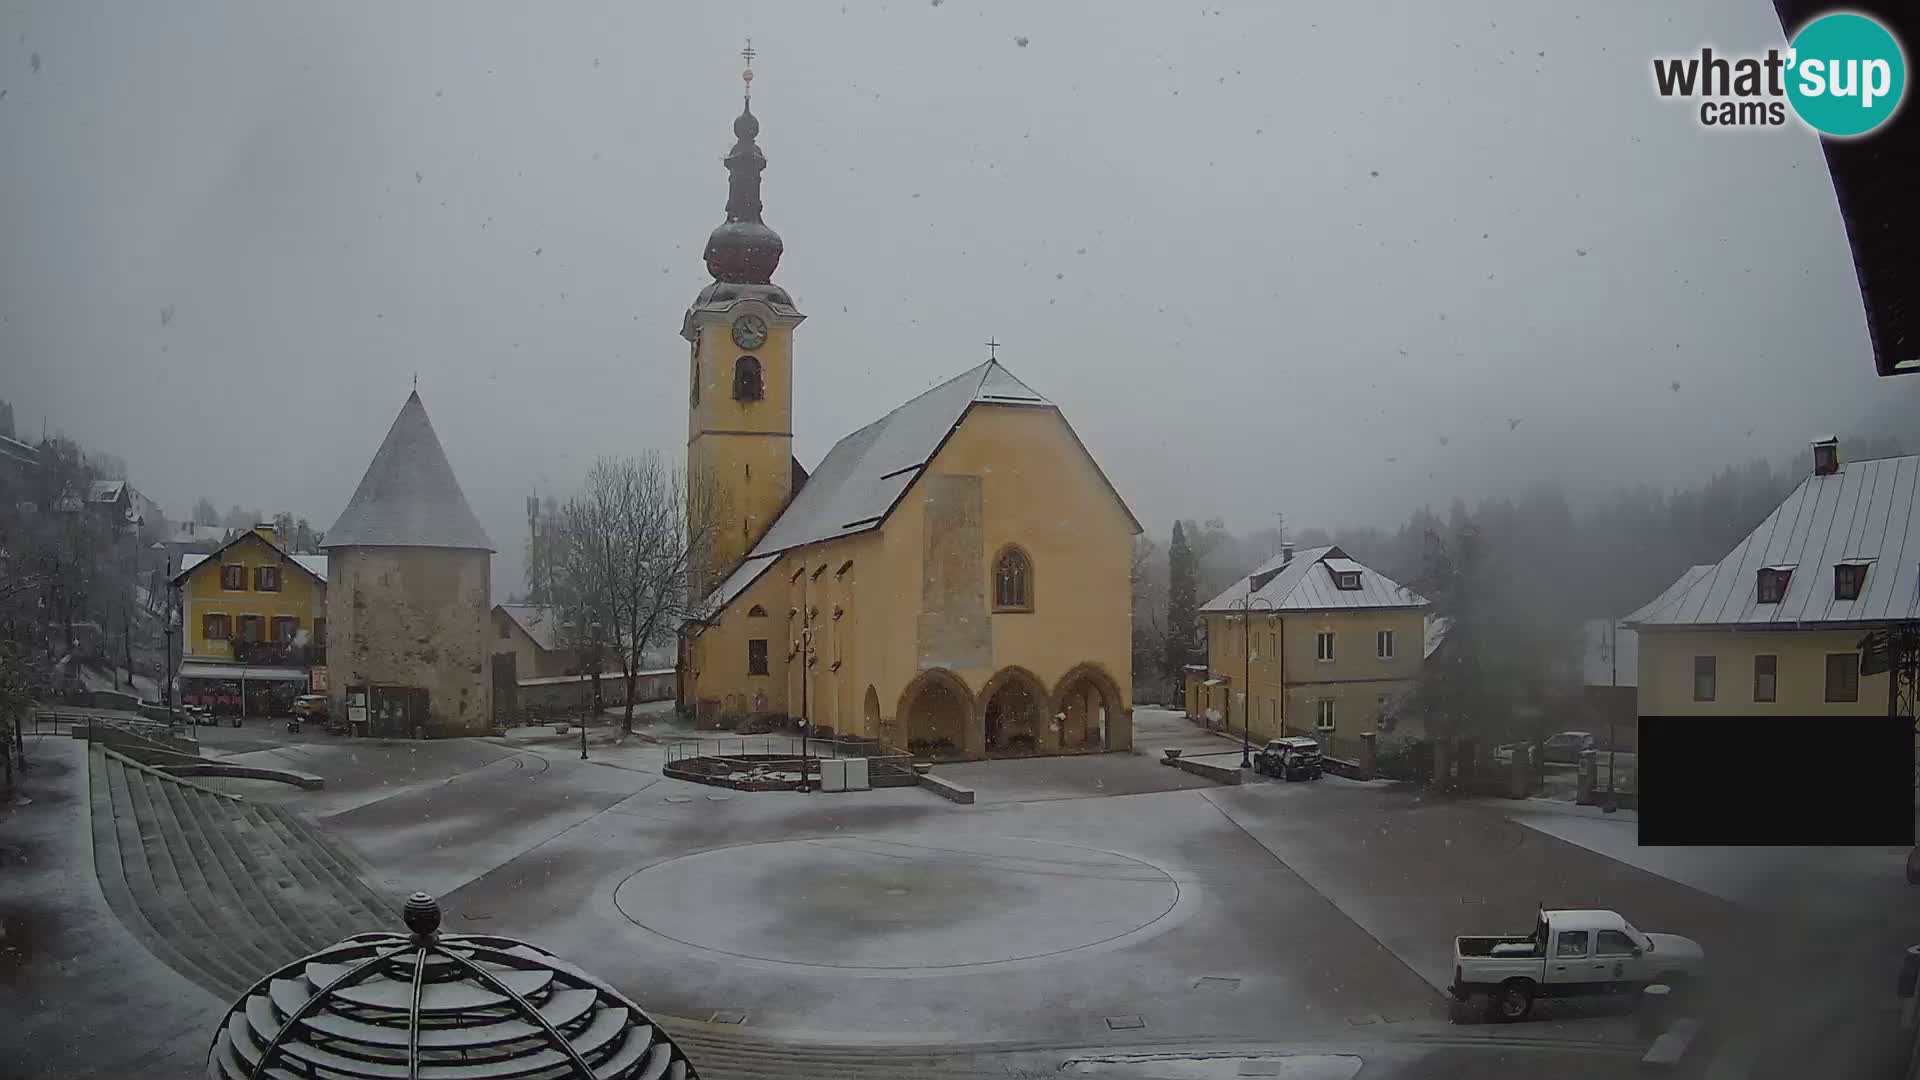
1345, 572
1849, 578
1773, 583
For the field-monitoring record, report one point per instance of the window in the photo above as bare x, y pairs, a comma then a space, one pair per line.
1570, 943
1346, 580
1256, 647
320, 632
1323, 718
815, 576
1613, 943
283, 629
746, 379
844, 567
1705, 677
1848, 579
1383, 644
1766, 678
215, 627
233, 577
1323, 645
1773, 583
266, 579
756, 612
1843, 676
250, 628
757, 656
1012, 581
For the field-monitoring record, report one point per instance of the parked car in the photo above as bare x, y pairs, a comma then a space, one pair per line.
1561, 748
310, 707
1569, 953
1294, 758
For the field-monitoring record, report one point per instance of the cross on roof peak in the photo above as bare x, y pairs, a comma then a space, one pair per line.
993, 349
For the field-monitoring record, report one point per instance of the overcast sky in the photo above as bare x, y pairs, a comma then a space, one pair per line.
1266, 257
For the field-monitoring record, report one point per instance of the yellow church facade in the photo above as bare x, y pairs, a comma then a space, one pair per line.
953, 579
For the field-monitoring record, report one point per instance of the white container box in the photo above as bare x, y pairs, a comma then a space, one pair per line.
857, 774
833, 774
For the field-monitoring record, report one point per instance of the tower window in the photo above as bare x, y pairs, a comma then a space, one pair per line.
1012, 581
746, 379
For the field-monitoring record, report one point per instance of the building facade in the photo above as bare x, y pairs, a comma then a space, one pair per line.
253, 625
1775, 627
953, 578
1310, 643
531, 633
409, 610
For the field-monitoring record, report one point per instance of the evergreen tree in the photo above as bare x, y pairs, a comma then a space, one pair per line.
1182, 604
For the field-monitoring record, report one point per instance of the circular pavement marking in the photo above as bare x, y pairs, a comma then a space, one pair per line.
886, 905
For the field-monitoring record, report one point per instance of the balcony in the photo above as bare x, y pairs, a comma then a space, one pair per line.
279, 654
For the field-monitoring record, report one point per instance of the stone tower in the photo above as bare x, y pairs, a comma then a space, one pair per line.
740, 463
409, 596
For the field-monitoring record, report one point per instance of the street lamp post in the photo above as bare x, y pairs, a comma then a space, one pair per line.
1247, 606
166, 662
593, 670
806, 661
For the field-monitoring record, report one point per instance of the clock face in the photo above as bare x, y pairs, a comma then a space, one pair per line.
749, 331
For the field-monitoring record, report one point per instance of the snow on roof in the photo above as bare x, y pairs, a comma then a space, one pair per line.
1609, 654
864, 474
1343, 565
409, 496
737, 582
1867, 510
312, 564
538, 622
105, 490
1291, 586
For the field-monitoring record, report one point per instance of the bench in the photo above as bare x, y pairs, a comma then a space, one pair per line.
947, 789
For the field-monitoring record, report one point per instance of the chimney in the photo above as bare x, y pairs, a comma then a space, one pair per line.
265, 531
1286, 552
1826, 456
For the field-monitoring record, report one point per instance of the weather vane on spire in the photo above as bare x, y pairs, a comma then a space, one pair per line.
746, 76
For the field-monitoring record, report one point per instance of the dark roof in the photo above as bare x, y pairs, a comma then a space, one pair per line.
1873, 182
409, 497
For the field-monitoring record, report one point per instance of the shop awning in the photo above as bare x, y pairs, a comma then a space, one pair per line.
202, 670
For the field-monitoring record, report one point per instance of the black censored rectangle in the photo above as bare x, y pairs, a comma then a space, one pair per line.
1799, 781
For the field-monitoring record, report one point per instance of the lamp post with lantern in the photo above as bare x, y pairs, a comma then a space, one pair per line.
1247, 605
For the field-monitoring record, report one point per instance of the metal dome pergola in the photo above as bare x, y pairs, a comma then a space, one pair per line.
428, 1006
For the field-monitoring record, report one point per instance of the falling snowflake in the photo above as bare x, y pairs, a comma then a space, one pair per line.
1020, 41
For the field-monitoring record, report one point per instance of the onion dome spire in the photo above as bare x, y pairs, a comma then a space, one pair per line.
744, 250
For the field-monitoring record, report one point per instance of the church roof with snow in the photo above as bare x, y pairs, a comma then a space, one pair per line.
409, 496
863, 477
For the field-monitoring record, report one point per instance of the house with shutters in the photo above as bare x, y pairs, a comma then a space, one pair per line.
253, 624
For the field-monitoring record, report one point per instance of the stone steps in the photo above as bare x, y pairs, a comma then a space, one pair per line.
220, 889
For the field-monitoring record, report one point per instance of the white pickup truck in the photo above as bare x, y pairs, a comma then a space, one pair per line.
1569, 953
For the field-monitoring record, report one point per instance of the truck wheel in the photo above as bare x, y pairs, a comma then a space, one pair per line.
1514, 1001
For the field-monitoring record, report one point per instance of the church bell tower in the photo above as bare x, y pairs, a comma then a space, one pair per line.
740, 374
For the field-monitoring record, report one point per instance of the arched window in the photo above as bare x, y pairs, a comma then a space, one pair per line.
1012, 581
746, 379
756, 612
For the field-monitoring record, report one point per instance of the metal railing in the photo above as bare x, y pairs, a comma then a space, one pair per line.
66, 721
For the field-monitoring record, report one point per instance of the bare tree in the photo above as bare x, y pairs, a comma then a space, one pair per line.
204, 512
621, 553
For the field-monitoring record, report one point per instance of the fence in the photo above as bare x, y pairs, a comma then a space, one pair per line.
885, 768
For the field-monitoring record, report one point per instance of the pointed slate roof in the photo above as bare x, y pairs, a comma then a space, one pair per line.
1294, 586
409, 497
1868, 512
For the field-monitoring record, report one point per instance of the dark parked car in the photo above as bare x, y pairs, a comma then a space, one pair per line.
1294, 758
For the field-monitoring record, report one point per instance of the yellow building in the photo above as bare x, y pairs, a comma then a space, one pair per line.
953, 578
253, 624
1329, 645
1774, 628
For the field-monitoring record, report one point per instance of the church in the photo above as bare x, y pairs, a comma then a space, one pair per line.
953, 579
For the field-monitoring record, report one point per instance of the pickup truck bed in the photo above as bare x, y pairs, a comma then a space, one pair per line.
1504, 946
